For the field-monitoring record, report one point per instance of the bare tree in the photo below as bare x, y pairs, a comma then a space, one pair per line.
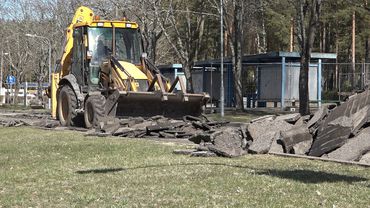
183, 29
308, 14
237, 55
18, 58
143, 12
236, 12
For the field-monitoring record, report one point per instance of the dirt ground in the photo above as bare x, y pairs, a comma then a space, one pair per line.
41, 118
27, 115
257, 131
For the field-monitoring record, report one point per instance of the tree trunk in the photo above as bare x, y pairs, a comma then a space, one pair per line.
237, 69
324, 37
187, 71
238, 84
200, 38
307, 31
39, 88
304, 107
16, 88
153, 47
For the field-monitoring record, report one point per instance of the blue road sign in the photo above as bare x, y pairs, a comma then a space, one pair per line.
10, 79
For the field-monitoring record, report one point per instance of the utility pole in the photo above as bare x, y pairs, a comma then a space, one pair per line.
1, 73
291, 48
49, 80
336, 63
222, 61
353, 48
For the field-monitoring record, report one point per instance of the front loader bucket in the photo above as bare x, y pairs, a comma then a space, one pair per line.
148, 104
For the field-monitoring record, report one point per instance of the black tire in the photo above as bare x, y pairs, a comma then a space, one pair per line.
67, 105
94, 110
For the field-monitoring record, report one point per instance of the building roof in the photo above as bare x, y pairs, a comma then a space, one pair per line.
270, 57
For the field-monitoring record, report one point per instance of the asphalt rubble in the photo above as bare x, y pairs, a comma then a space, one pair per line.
334, 132
340, 133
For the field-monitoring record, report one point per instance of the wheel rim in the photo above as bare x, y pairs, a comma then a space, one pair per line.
64, 105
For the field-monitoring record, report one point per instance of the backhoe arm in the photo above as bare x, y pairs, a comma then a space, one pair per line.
83, 14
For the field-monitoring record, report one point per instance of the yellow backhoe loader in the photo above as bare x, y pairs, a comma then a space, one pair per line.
103, 72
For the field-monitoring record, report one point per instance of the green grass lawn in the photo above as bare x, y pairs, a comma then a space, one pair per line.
41, 168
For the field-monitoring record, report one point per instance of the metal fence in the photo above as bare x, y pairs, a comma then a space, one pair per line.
328, 82
344, 78
336, 80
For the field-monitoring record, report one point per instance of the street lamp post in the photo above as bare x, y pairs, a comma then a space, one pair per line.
49, 43
2, 71
222, 60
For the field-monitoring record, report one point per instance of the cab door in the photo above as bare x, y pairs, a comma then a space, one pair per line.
78, 56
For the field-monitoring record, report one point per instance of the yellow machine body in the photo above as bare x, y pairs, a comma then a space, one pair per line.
142, 90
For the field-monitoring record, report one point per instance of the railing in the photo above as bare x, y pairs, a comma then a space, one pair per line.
263, 82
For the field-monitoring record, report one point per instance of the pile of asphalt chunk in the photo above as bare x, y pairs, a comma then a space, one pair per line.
344, 133
14, 122
37, 119
237, 139
156, 127
227, 141
336, 132
215, 138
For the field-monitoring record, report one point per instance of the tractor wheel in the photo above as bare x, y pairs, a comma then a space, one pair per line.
94, 110
67, 105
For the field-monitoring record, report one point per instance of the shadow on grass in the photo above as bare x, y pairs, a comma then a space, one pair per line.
304, 176
310, 176
103, 170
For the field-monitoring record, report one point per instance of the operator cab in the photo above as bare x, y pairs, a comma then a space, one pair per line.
93, 45
127, 43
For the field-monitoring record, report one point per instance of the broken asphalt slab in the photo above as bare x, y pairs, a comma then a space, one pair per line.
354, 148
263, 133
296, 139
341, 122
